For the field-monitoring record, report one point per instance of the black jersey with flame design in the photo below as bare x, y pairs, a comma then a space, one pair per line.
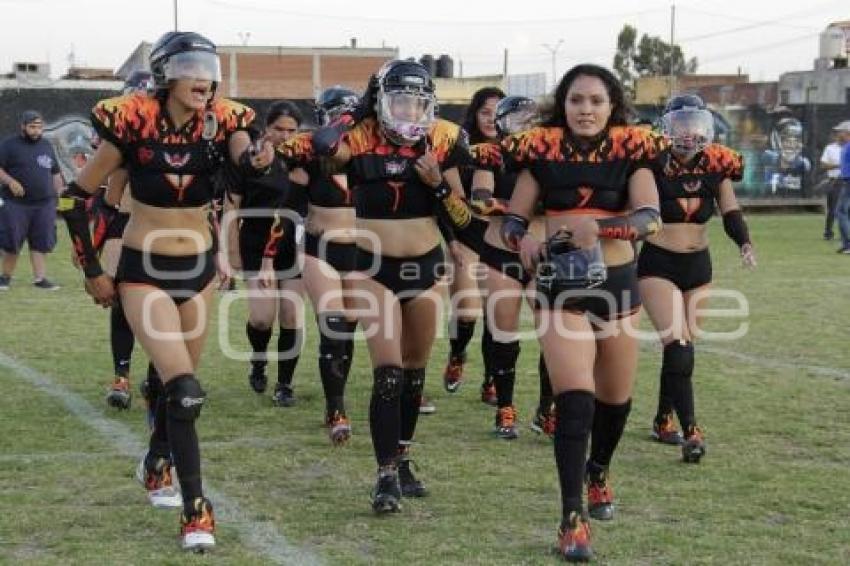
323, 190
382, 176
270, 191
688, 191
576, 177
169, 166
489, 157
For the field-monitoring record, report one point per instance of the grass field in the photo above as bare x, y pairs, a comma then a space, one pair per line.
773, 489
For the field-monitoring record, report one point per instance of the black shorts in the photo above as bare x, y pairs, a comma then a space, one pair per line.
253, 236
618, 297
473, 235
340, 256
180, 276
115, 229
406, 277
30, 222
686, 271
504, 261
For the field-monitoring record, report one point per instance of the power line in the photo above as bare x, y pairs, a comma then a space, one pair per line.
756, 24
759, 48
747, 20
242, 6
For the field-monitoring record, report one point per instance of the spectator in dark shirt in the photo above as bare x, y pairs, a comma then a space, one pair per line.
30, 179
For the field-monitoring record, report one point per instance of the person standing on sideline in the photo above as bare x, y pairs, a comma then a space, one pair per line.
831, 162
30, 179
842, 207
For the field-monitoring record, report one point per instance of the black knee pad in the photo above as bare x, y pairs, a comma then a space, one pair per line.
333, 342
388, 382
414, 382
333, 327
503, 355
185, 397
678, 358
574, 410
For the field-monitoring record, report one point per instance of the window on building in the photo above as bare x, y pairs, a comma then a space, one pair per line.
784, 97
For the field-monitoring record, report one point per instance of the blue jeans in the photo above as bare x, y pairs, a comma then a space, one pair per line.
842, 213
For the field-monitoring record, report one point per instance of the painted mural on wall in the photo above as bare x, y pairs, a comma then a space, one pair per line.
73, 139
773, 144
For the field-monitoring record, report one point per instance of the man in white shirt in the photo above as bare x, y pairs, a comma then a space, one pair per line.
830, 163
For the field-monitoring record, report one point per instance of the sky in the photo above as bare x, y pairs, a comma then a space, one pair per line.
763, 39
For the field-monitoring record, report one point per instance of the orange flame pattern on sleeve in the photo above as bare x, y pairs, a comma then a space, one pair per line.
137, 117
535, 144
298, 149
443, 137
362, 137
720, 159
486, 155
129, 117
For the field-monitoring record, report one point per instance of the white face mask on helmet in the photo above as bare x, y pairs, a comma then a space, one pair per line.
194, 65
406, 114
690, 129
523, 118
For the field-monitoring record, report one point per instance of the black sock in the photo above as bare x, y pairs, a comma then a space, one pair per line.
665, 401
259, 339
289, 348
351, 329
486, 350
677, 369
411, 396
463, 331
121, 338
546, 398
609, 421
158, 446
503, 357
333, 363
575, 418
183, 440
385, 413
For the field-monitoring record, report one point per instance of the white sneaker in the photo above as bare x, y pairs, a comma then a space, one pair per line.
162, 493
197, 532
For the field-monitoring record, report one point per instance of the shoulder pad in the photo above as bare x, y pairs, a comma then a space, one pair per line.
721, 159
123, 119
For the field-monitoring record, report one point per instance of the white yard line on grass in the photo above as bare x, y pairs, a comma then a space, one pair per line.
259, 536
770, 363
774, 363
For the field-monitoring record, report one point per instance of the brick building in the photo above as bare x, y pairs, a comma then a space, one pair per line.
284, 72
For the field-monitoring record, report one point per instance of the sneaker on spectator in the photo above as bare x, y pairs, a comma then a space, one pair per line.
46, 284
5, 281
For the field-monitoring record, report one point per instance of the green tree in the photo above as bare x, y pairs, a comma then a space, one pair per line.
624, 57
651, 56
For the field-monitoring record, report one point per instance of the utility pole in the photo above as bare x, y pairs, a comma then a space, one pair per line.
554, 52
175, 15
672, 81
